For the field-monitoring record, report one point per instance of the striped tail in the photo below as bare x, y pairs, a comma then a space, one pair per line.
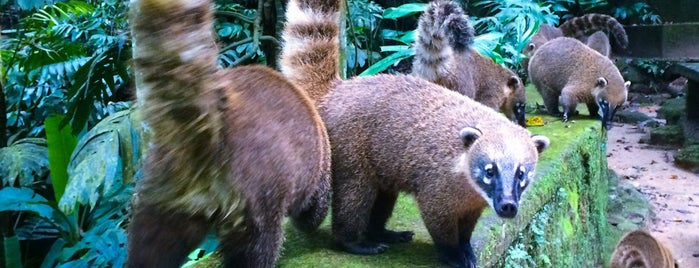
443, 29
310, 53
579, 26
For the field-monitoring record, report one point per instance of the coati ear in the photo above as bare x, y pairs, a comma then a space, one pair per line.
513, 82
627, 84
469, 134
531, 46
601, 82
541, 142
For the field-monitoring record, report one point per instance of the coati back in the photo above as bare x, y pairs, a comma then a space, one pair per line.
638, 249
232, 150
566, 71
400, 133
600, 43
579, 28
443, 55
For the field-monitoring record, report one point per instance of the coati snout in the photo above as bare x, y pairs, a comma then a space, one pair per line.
501, 179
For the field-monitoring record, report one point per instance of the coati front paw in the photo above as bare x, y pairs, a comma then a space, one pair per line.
454, 257
364, 248
391, 237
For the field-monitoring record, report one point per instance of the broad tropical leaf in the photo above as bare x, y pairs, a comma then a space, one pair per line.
104, 160
24, 162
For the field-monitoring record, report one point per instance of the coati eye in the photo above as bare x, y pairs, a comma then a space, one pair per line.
489, 173
520, 177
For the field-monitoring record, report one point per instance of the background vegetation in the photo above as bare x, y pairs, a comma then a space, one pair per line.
70, 144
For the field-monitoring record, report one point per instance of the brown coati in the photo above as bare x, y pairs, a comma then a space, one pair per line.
579, 28
639, 249
232, 151
443, 55
400, 133
566, 71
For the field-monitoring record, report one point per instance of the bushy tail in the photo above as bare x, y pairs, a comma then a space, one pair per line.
183, 102
579, 26
640, 249
443, 29
310, 53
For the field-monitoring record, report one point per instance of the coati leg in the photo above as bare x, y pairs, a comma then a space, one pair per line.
255, 246
170, 236
353, 200
467, 224
550, 101
569, 104
443, 228
380, 213
593, 108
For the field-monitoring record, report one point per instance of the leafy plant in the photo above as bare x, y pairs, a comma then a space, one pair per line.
503, 30
87, 223
363, 27
66, 57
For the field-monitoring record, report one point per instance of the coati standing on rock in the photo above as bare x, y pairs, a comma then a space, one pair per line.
579, 28
400, 133
566, 71
232, 150
638, 249
443, 55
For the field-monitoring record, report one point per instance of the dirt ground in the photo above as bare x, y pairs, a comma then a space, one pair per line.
672, 192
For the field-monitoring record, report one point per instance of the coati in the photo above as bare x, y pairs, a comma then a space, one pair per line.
443, 55
232, 150
566, 71
639, 249
579, 28
400, 133
600, 43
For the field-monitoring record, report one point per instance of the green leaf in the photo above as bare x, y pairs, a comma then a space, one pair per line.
60, 146
12, 253
104, 159
404, 10
387, 62
25, 199
23, 162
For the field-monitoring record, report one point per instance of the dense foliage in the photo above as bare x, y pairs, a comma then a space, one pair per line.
70, 149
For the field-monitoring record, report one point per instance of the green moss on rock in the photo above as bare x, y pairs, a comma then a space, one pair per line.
667, 135
688, 157
673, 110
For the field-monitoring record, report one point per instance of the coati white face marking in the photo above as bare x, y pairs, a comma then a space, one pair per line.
500, 170
489, 173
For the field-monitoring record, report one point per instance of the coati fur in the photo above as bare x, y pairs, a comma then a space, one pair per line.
232, 150
566, 71
640, 249
400, 133
599, 42
443, 55
579, 28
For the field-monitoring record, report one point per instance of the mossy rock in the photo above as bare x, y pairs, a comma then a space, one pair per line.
688, 158
673, 110
632, 117
672, 135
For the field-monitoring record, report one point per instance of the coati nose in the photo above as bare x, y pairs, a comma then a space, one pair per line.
506, 209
